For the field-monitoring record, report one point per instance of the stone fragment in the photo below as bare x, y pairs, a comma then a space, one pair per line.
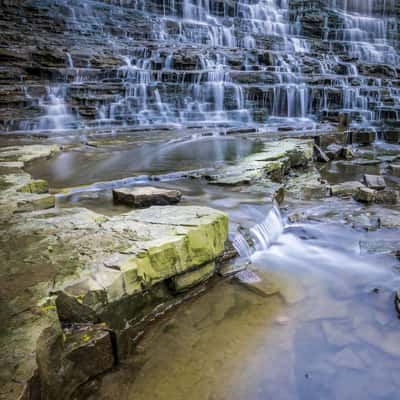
387, 196
231, 269
253, 283
319, 154
365, 195
279, 195
66, 361
183, 282
70, 310
141, 197
337, 152
346, 188
315, 191
35, 202
375, 182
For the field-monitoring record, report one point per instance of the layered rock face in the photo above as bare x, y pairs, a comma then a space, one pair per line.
71, 64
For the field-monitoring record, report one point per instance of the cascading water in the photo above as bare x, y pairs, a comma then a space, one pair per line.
262, 235
225, 63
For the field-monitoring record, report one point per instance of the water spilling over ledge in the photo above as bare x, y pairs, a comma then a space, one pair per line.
109, 105
199, 62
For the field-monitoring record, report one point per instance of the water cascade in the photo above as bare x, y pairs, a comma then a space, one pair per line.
261, 235
208, 63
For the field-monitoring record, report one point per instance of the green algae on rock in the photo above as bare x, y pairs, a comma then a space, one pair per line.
100, 269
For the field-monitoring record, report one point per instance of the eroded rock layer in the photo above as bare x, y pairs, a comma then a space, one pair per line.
70, 64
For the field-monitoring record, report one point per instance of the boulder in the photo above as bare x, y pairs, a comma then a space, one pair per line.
315, 191
346, 188
387, 196
70, 310
141, 197
375, 182
337, 152
94, 268
365, 195
67, 360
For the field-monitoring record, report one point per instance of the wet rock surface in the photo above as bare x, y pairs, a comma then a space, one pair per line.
80, 267
142, 197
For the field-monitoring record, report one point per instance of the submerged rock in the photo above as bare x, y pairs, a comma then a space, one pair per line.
147, 196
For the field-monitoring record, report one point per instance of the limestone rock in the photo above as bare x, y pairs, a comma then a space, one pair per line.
141, 197
346, 188
362, 136
67, 361
365, 195
109, 269
70, 310
38, 186
272, 163
387, 196
183, 282
315, 191
375, 182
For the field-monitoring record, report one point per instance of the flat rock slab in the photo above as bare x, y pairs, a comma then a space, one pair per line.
83, 267
346, 188
142, 197
271, 163
376, 182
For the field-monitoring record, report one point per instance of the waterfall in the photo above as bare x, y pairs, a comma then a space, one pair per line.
263, 235
223, 63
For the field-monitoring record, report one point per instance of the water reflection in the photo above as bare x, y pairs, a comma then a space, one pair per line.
80, 167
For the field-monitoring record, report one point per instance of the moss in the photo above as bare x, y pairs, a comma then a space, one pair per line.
38, 186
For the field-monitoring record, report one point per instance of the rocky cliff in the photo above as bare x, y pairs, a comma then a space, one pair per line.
70, 64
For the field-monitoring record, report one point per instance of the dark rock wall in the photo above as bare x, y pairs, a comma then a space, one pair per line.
70, 64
